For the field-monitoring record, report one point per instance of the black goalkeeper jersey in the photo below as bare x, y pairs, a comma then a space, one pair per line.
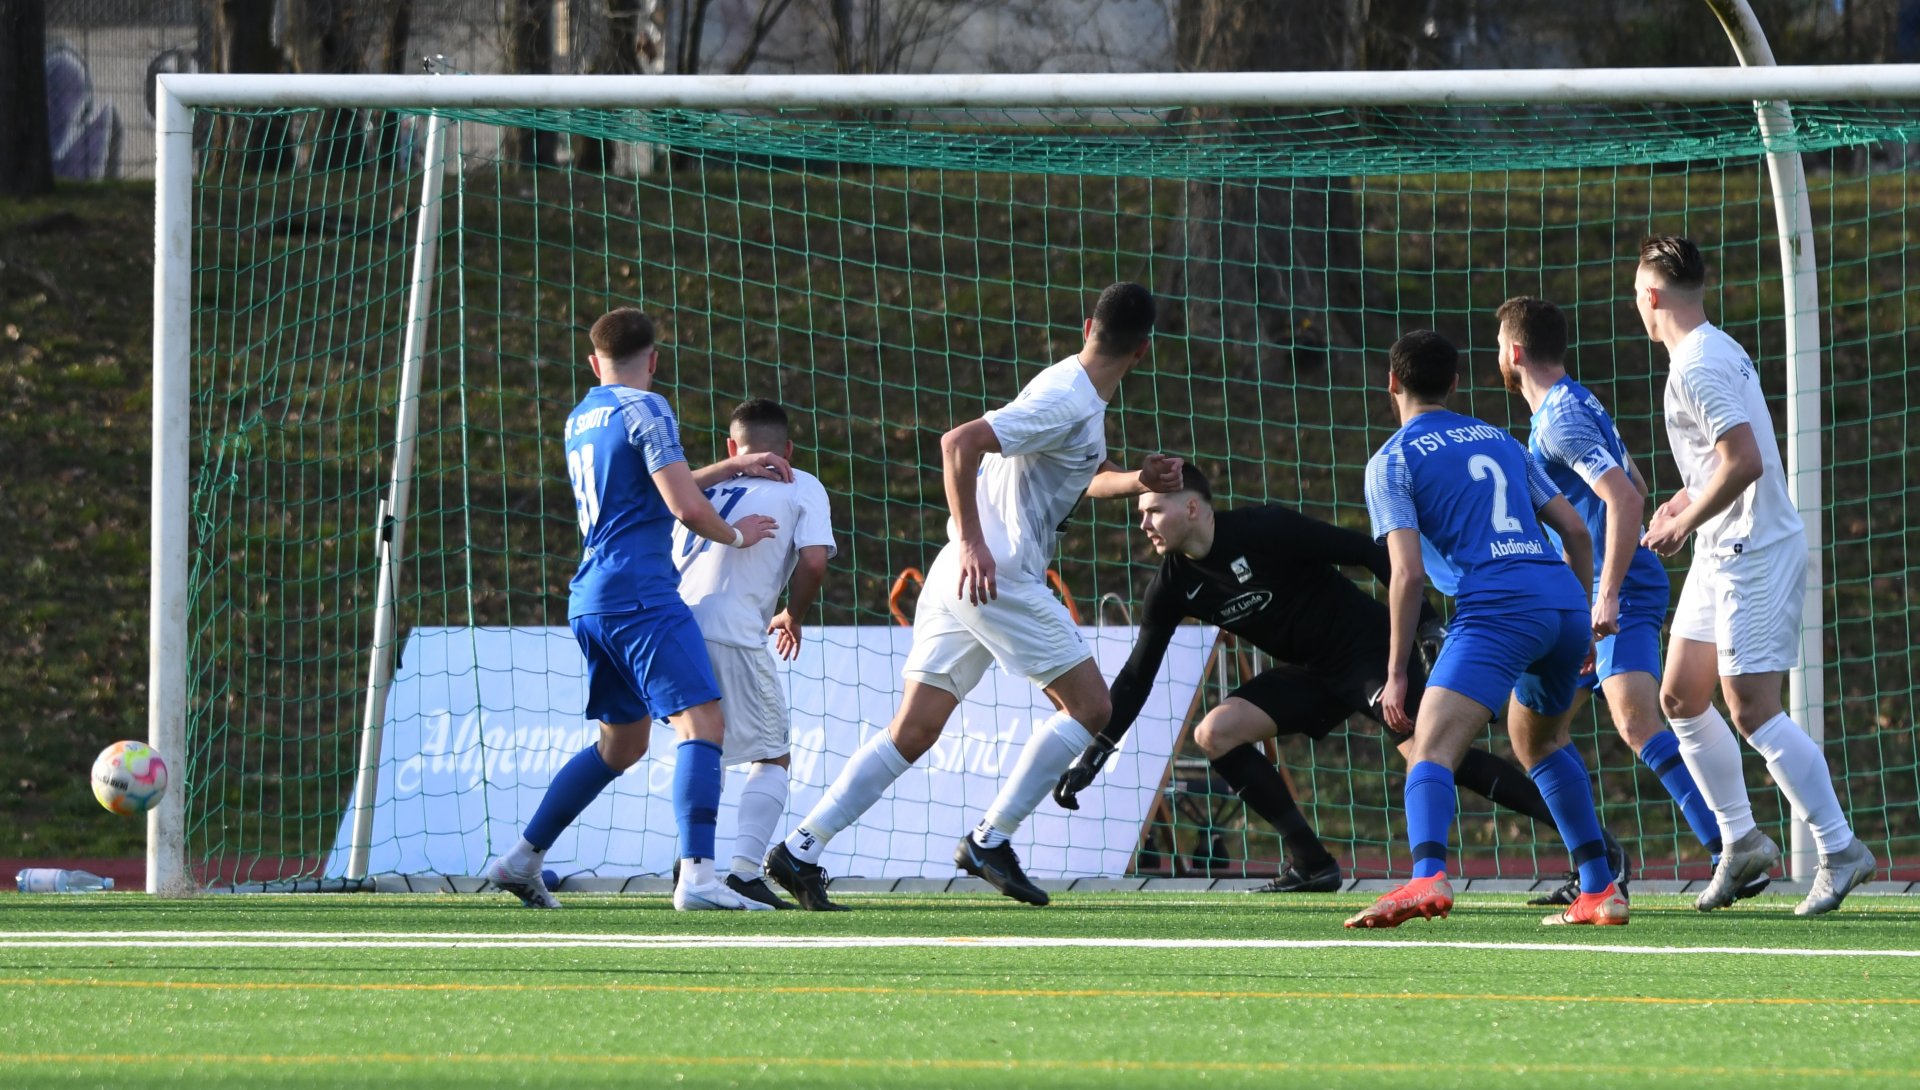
1272, 578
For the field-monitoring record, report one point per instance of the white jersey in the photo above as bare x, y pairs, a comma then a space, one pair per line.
1053, 439
732, 592
1712, 387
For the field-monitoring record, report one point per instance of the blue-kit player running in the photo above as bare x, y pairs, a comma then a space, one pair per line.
645, 655
1575, 440
1520, 627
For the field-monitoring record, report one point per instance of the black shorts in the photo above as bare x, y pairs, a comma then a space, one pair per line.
1313, 703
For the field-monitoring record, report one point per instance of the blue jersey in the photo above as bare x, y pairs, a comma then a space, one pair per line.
617, 438
1574, 438
1471, 491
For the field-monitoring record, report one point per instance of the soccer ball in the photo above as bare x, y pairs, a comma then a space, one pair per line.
129, 778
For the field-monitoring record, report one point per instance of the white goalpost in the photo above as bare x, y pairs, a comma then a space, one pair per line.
1768, 90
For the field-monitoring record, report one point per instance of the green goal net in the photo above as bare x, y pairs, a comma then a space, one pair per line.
888, 274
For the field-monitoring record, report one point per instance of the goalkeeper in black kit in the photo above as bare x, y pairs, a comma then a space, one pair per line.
1270, 575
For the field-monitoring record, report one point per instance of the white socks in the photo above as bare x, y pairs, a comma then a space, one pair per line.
1712, 754
696, 873
1801, 770
1053, 746
524, 858
763, 802
869, 773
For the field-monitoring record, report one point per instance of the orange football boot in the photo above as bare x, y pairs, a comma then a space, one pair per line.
1422, 897
1607, 908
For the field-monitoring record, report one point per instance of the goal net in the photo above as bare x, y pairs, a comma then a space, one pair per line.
886, 273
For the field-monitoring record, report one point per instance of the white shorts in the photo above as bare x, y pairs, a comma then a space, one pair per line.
1748, 606
751, 700
1025, 629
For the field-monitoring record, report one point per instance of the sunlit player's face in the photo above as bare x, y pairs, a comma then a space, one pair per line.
1509, 375
1644, 285
1168, 519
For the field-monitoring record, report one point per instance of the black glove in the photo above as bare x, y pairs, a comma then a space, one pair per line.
1428, 639
1080, 774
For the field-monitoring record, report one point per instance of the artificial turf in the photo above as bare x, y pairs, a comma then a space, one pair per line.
486, 993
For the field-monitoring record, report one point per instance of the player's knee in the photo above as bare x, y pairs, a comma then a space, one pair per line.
622, 745
1636, 727
1675, 704
1219, 732
1094, 713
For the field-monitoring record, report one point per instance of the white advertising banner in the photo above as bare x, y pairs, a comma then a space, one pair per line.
480, 719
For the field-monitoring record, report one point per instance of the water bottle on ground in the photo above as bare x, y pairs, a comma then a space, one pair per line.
55, 880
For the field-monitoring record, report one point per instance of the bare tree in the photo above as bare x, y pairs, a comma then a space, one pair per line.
527, 29
1263, 263
26, 148
868, 36
687, 22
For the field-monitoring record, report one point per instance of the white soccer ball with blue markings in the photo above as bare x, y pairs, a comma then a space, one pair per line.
129, 778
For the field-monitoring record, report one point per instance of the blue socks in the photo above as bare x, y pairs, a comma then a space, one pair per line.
1662, 754
1430, 801
578, 783
1563, 782
696, 796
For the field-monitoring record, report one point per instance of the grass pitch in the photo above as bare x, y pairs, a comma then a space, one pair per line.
1097, 990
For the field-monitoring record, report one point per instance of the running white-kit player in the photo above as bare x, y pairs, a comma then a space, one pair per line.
1739, 613
1012, 477
732, 593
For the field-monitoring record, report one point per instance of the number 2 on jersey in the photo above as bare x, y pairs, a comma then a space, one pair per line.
586, 492
1480, 467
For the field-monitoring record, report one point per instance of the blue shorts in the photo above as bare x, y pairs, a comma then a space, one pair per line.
1534, 655
650, 663
1635, 648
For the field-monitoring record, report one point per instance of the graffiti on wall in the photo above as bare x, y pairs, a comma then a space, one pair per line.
85, 134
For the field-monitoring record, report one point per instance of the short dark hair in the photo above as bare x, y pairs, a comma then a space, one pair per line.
1535, 324
1676, 259
1123, 318
762, 418
1425, 363
1192, 480
622, 334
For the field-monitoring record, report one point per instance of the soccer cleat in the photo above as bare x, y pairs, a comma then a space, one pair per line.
756, 889
1422, 897
1569, 891
1839, 873
712, 897
1754, 887
806, 881
530, 887
1000, 868
1291, 879
1607, 908
1742, 861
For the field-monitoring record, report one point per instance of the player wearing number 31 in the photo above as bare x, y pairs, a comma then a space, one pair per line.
1521, 626
645, 656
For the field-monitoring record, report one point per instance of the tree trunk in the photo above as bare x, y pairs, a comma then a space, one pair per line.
1253, 261
528, 31
243, 43
26, 146
617, 54
393, 60
323, 37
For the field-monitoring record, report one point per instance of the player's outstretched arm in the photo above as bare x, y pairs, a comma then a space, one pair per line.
960, 453
1160, 615
1157, 473
771, 467
1625, 506
1574, 538
803, 586
1404, 597
688, 504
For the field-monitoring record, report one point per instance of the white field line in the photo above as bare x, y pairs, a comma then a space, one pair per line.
550, 941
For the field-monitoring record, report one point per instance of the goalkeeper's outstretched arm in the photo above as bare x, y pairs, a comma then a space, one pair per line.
1128, 693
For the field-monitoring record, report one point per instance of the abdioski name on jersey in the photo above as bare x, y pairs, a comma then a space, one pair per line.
1510, 548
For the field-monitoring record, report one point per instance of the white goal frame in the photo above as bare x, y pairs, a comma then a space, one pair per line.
176, 96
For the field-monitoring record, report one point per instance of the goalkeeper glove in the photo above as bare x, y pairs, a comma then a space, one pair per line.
1080, 774
1428, 639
